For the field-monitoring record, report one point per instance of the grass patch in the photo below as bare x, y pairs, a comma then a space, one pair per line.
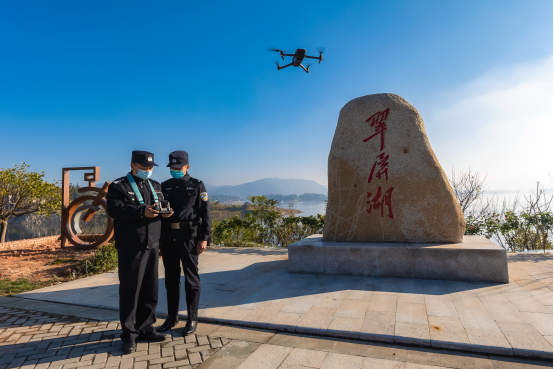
9, 287
62, 261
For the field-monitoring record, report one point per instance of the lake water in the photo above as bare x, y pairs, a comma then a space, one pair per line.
307, 207
18, 232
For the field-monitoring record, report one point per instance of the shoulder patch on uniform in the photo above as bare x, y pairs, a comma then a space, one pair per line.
204, 196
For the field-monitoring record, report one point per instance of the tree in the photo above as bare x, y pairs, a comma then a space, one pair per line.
23, 193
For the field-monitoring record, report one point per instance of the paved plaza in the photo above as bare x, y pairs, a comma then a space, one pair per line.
251, 287
51, 337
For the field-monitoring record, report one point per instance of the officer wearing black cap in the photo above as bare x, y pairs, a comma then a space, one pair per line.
131, 203
184, 237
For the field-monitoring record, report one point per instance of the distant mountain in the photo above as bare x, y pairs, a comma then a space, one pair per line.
268, 186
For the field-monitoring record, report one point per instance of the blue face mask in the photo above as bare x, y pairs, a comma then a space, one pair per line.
143, 174
176, 174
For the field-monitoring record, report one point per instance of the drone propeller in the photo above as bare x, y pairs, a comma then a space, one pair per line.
280, 51
320, 50
278, 66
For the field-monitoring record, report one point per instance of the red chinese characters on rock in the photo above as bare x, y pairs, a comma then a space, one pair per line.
383, 168
378, 122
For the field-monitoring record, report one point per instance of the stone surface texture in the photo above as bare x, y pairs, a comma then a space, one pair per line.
476, 259
32, 339
499, 318
416, 202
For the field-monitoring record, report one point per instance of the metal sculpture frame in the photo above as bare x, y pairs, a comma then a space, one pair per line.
70, 229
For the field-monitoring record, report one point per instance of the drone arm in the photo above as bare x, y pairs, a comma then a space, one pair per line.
284, 66
312, 57
288, 54
305, 69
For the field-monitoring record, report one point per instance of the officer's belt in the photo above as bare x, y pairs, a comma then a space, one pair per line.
186, 224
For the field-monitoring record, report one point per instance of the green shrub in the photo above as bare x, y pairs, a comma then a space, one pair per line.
104, 260
265, 227
515, 231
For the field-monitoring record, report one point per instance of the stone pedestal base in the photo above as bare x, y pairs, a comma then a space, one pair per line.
476, 259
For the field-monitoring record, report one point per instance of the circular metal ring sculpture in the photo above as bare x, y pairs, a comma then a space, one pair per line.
75, 210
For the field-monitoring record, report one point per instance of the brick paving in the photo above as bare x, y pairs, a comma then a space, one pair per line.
35, 340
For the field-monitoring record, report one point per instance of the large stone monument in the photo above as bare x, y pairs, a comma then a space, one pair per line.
391, 209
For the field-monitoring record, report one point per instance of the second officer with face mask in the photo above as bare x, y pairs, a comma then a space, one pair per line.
184, 237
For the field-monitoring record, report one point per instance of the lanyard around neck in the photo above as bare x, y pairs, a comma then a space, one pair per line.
137, 192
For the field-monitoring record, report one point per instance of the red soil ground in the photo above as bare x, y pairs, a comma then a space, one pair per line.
35, 262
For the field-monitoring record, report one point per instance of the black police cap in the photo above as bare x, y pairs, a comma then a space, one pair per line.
143, 158
178, 159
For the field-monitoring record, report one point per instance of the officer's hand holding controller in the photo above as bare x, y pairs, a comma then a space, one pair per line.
150, 212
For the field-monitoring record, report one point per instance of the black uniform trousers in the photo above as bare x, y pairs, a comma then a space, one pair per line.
138, 291
175, 253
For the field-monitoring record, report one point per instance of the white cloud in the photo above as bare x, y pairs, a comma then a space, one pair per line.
501, 124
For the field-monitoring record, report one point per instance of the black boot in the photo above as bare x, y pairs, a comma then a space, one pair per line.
168, 324
128, 346
152, 336
190, 328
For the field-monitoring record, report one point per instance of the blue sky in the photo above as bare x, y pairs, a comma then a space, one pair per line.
85, 83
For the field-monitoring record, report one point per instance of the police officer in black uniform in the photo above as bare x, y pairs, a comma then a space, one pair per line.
184, 237
137, 226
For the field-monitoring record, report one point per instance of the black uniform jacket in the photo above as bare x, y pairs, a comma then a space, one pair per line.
189, 200
132, 229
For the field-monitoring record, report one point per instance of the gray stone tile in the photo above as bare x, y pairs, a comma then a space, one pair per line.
542, 322
299, 357
285, 321
447, 332
267, 357
374, 363
332, 300
434, 287
440, 306
341, 361
360, 295
411, 298
525, 302
525, 339
242, 334
506, 312
345, 327
316, 320
235, 315
353, 309
383, 303
378, 326
474, 315
492, 342
412, 333
264, 313
301, 304
411, 313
